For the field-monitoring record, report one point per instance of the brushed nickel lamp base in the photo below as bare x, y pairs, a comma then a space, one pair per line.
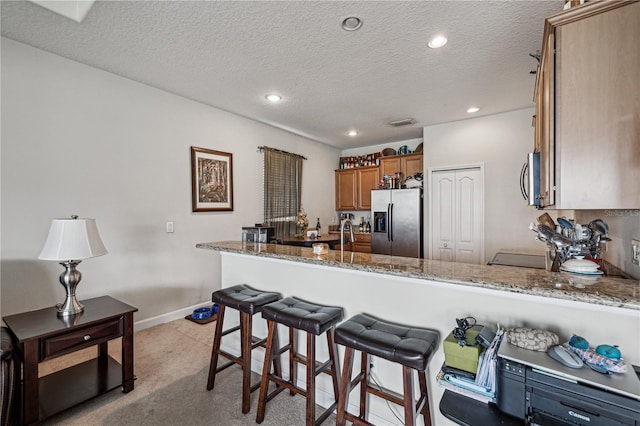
69, 242
70, 279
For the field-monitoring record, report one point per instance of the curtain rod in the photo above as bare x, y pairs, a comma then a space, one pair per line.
262, 148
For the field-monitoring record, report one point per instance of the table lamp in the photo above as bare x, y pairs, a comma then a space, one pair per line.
69, 242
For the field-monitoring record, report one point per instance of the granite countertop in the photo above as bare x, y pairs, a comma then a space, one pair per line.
616, 292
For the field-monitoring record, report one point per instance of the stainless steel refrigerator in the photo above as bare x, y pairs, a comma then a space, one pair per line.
397, 222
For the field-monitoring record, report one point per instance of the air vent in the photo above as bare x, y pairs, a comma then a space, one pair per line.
403, 122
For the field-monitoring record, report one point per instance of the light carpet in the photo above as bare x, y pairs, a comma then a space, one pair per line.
171, 366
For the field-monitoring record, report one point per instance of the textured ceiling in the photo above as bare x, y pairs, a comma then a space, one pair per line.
229, 54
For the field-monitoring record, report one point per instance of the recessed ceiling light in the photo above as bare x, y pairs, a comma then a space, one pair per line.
351, 23
471, 110
437, 41
352, 133
274, 98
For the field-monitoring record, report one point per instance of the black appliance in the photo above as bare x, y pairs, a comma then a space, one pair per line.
528, 389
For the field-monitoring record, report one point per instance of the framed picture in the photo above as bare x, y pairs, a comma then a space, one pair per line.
211, 180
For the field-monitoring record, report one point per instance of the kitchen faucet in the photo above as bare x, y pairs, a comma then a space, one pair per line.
344, 222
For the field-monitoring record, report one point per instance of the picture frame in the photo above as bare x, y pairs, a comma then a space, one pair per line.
211, 180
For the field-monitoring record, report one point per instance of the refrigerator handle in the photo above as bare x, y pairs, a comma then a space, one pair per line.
391, 222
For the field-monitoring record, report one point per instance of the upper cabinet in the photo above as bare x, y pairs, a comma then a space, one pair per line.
408, 164
353, 187
587, 123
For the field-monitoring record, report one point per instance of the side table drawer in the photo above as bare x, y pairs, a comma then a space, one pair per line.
69, 342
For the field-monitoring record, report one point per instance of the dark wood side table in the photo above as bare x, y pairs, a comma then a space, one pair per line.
42, 335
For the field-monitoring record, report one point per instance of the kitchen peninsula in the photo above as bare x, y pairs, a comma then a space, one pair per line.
433, 294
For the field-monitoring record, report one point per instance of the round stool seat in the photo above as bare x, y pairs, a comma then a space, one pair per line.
409, 346
296, 313
244, 298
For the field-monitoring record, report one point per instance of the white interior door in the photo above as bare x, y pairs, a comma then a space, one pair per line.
457, 215
443, 208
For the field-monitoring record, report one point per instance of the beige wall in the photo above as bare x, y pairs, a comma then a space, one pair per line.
77, 140
500, 142
624, 225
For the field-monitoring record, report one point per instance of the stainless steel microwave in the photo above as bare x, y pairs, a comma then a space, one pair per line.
530, 179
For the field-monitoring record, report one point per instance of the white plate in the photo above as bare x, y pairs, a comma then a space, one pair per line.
582, 272
581, 268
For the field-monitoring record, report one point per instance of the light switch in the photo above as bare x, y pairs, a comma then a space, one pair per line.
635, 252
169, 227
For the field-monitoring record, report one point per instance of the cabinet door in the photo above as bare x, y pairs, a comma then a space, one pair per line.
367, 180
597, 110
362, 243
346, 197
412, 165
389, 166
361, 247
545, 125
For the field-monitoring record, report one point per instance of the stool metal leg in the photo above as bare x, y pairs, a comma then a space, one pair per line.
216, 347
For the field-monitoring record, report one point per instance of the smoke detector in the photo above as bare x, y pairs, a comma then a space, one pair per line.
402, 122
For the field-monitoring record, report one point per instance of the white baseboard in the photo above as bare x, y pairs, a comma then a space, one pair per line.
168, 317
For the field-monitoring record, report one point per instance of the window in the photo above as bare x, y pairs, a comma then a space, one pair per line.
282, 189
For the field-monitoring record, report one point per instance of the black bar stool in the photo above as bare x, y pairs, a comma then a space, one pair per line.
410, 346
248, 302
314, 320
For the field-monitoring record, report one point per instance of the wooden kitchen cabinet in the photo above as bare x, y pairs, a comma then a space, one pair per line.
544, 136
587, 109
346, 198
362, 243
408, 165
353, 187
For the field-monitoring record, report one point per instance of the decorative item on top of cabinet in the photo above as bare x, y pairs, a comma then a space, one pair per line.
359, 161
587, 110
353, 188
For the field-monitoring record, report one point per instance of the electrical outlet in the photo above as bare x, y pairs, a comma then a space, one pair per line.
635, 252
371, 364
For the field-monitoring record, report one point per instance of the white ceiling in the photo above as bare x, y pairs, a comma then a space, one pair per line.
230, 54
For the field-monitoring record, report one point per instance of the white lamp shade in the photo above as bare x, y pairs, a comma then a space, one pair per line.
72, 239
